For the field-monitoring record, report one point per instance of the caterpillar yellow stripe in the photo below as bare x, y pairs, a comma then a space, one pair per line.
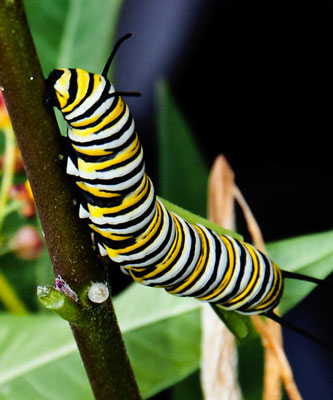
131, 226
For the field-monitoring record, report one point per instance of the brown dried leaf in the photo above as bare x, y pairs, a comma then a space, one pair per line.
221, 193
219, 357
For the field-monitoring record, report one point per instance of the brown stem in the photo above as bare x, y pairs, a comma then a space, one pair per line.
272, 344
67, 238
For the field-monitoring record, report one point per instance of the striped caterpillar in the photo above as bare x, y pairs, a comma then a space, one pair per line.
131, 226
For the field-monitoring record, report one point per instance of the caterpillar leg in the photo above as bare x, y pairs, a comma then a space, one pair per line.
62, 158
101, 249
83, 210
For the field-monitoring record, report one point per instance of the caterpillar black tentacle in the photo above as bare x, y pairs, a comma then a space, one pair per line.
113, 53
301, 277
131, 226
287, 324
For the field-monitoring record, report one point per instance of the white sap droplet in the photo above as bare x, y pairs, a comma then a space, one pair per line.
31, 78
98, 292
2, 88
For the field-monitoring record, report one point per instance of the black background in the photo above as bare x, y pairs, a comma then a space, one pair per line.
257, 87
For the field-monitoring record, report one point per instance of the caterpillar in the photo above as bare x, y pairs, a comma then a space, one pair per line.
131, 225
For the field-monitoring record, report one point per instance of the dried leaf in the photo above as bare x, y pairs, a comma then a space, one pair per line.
219, 357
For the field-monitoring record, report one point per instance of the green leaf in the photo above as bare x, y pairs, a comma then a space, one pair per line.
183, 175
73, 33
162, 335
189, 388
250, 368
20, 274
239, 325
196, 219
88, 35
46, 21
309, 255
39, 360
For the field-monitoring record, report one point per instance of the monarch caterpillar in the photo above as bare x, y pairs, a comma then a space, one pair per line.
131, 226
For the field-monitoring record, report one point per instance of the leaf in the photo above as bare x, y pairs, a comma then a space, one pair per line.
189, 388
183, 175
88, 34
73, 33
46, 21
162, 335
309, 255
239, 325
20, 274
250, 368
196, 219
46, 360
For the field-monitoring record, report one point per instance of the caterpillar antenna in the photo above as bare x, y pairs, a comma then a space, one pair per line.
113, 53
301, 277
284, 323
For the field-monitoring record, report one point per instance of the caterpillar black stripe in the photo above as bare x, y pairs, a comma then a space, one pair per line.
131, 226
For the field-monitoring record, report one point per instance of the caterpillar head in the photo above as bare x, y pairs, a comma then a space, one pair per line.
64, 84
57, 86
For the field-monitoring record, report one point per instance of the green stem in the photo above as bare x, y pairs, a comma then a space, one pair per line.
8, 170
58, 302
67, 238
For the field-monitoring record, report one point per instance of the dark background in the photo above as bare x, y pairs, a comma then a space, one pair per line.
257, 88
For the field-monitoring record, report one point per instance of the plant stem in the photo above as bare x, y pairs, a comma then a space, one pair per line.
8, 170
67, 238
